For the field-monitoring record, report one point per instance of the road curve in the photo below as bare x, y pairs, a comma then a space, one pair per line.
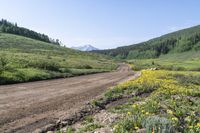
25, 107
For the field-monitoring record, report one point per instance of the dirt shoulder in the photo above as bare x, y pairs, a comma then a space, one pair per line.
28, 106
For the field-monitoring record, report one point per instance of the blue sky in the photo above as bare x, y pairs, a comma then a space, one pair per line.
102, 23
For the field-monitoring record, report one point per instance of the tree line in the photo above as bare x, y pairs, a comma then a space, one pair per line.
176, 42
13, 28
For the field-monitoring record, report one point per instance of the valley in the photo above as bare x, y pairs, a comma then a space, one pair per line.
149, 87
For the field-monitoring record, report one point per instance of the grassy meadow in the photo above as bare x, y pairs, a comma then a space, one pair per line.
23, 59
187, 61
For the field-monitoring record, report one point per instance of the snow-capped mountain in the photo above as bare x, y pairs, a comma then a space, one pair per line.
85, 48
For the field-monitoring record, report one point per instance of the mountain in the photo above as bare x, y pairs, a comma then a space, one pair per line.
85, 48
176, 42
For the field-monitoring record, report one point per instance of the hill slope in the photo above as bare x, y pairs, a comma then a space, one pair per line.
8, 27
176, 42
24, 59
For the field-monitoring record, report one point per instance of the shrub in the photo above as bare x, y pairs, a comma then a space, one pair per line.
90, 127
45, 64
85, 66
158, 125
183, 79
87, 120
126, 125
3, 64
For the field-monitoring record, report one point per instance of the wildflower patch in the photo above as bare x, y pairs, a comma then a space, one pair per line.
172, 106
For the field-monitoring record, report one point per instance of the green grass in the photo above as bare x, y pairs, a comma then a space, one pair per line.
188, 61
88, 125
23, 59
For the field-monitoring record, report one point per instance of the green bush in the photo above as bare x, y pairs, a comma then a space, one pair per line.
158, 125
89, 127
44, 64
86, 66
187, 79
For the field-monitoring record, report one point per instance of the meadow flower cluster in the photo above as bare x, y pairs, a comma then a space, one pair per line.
171, 105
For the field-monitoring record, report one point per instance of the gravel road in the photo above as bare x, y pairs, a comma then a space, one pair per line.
26, 107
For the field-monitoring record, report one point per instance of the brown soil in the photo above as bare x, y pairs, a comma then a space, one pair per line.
26, 107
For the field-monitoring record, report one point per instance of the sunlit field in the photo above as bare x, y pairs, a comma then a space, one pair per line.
171, 104
23, 59
188, 61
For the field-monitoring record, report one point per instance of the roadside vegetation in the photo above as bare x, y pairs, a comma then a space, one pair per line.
23, 59
172, 106
87, 125
172, 96
160, 101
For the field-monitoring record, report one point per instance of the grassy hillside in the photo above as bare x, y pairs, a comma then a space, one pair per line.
23, 59
187, 61
13, 28
176, 42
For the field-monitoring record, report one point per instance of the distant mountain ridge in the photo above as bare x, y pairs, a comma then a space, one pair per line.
85, 48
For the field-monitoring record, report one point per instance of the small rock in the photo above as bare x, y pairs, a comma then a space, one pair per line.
58, 122
141, 131
50, 132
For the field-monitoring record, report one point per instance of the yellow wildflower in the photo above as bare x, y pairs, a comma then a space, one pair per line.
188, 118
174, 119
193, 113
143, 111
135, 105
198, 124
136, 128
129, 113
115, 127
147, 113
169, 112
190, 127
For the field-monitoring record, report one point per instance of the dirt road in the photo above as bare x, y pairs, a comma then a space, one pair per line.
27, 106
